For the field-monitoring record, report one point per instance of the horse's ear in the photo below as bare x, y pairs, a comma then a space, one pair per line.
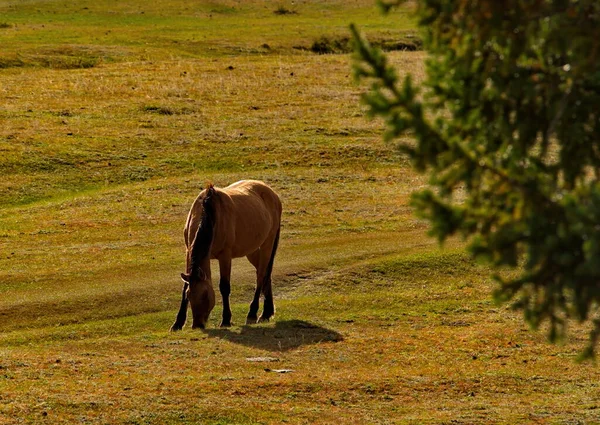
208, 202
210, 190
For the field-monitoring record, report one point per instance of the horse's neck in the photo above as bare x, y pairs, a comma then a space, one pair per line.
204, 265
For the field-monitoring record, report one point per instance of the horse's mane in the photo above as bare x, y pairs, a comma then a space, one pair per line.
204, 235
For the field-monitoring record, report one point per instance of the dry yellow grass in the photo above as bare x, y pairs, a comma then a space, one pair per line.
99, 167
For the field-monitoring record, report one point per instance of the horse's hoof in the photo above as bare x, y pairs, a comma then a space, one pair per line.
251, 320
262, 319
175, 328
225, 325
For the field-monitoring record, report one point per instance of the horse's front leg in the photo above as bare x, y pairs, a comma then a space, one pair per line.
182, 314
225, 289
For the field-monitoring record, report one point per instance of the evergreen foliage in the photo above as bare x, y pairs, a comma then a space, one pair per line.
507, 127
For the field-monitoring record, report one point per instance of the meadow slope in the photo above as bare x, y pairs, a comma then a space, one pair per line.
115, 115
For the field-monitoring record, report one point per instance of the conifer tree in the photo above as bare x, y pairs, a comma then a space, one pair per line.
506, 126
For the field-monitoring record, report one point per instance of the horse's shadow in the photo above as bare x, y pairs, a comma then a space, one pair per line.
285, 335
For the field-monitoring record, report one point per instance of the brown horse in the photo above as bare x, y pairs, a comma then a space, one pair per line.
240, 220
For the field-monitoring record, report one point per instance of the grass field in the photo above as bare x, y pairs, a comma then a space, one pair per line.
115, 114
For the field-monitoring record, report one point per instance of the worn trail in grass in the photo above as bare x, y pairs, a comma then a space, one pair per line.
421, 344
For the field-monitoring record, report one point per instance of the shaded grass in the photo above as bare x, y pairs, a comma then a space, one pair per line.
282, 10
343, 44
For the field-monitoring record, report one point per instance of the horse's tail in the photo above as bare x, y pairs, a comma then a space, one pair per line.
273, 252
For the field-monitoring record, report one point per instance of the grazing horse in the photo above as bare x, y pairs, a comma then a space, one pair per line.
240, 220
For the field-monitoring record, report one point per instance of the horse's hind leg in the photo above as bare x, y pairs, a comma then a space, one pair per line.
252, 317
267, 289
262, 259
269, 305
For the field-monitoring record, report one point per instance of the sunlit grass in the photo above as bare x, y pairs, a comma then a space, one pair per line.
56, 140
99, 165
107, 30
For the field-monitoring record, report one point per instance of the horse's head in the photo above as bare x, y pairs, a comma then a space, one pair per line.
201, 296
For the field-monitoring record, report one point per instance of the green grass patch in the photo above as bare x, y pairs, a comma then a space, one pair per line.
182, 30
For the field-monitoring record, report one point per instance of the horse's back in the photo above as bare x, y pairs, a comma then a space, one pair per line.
256, 187
257, 192
252, 213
